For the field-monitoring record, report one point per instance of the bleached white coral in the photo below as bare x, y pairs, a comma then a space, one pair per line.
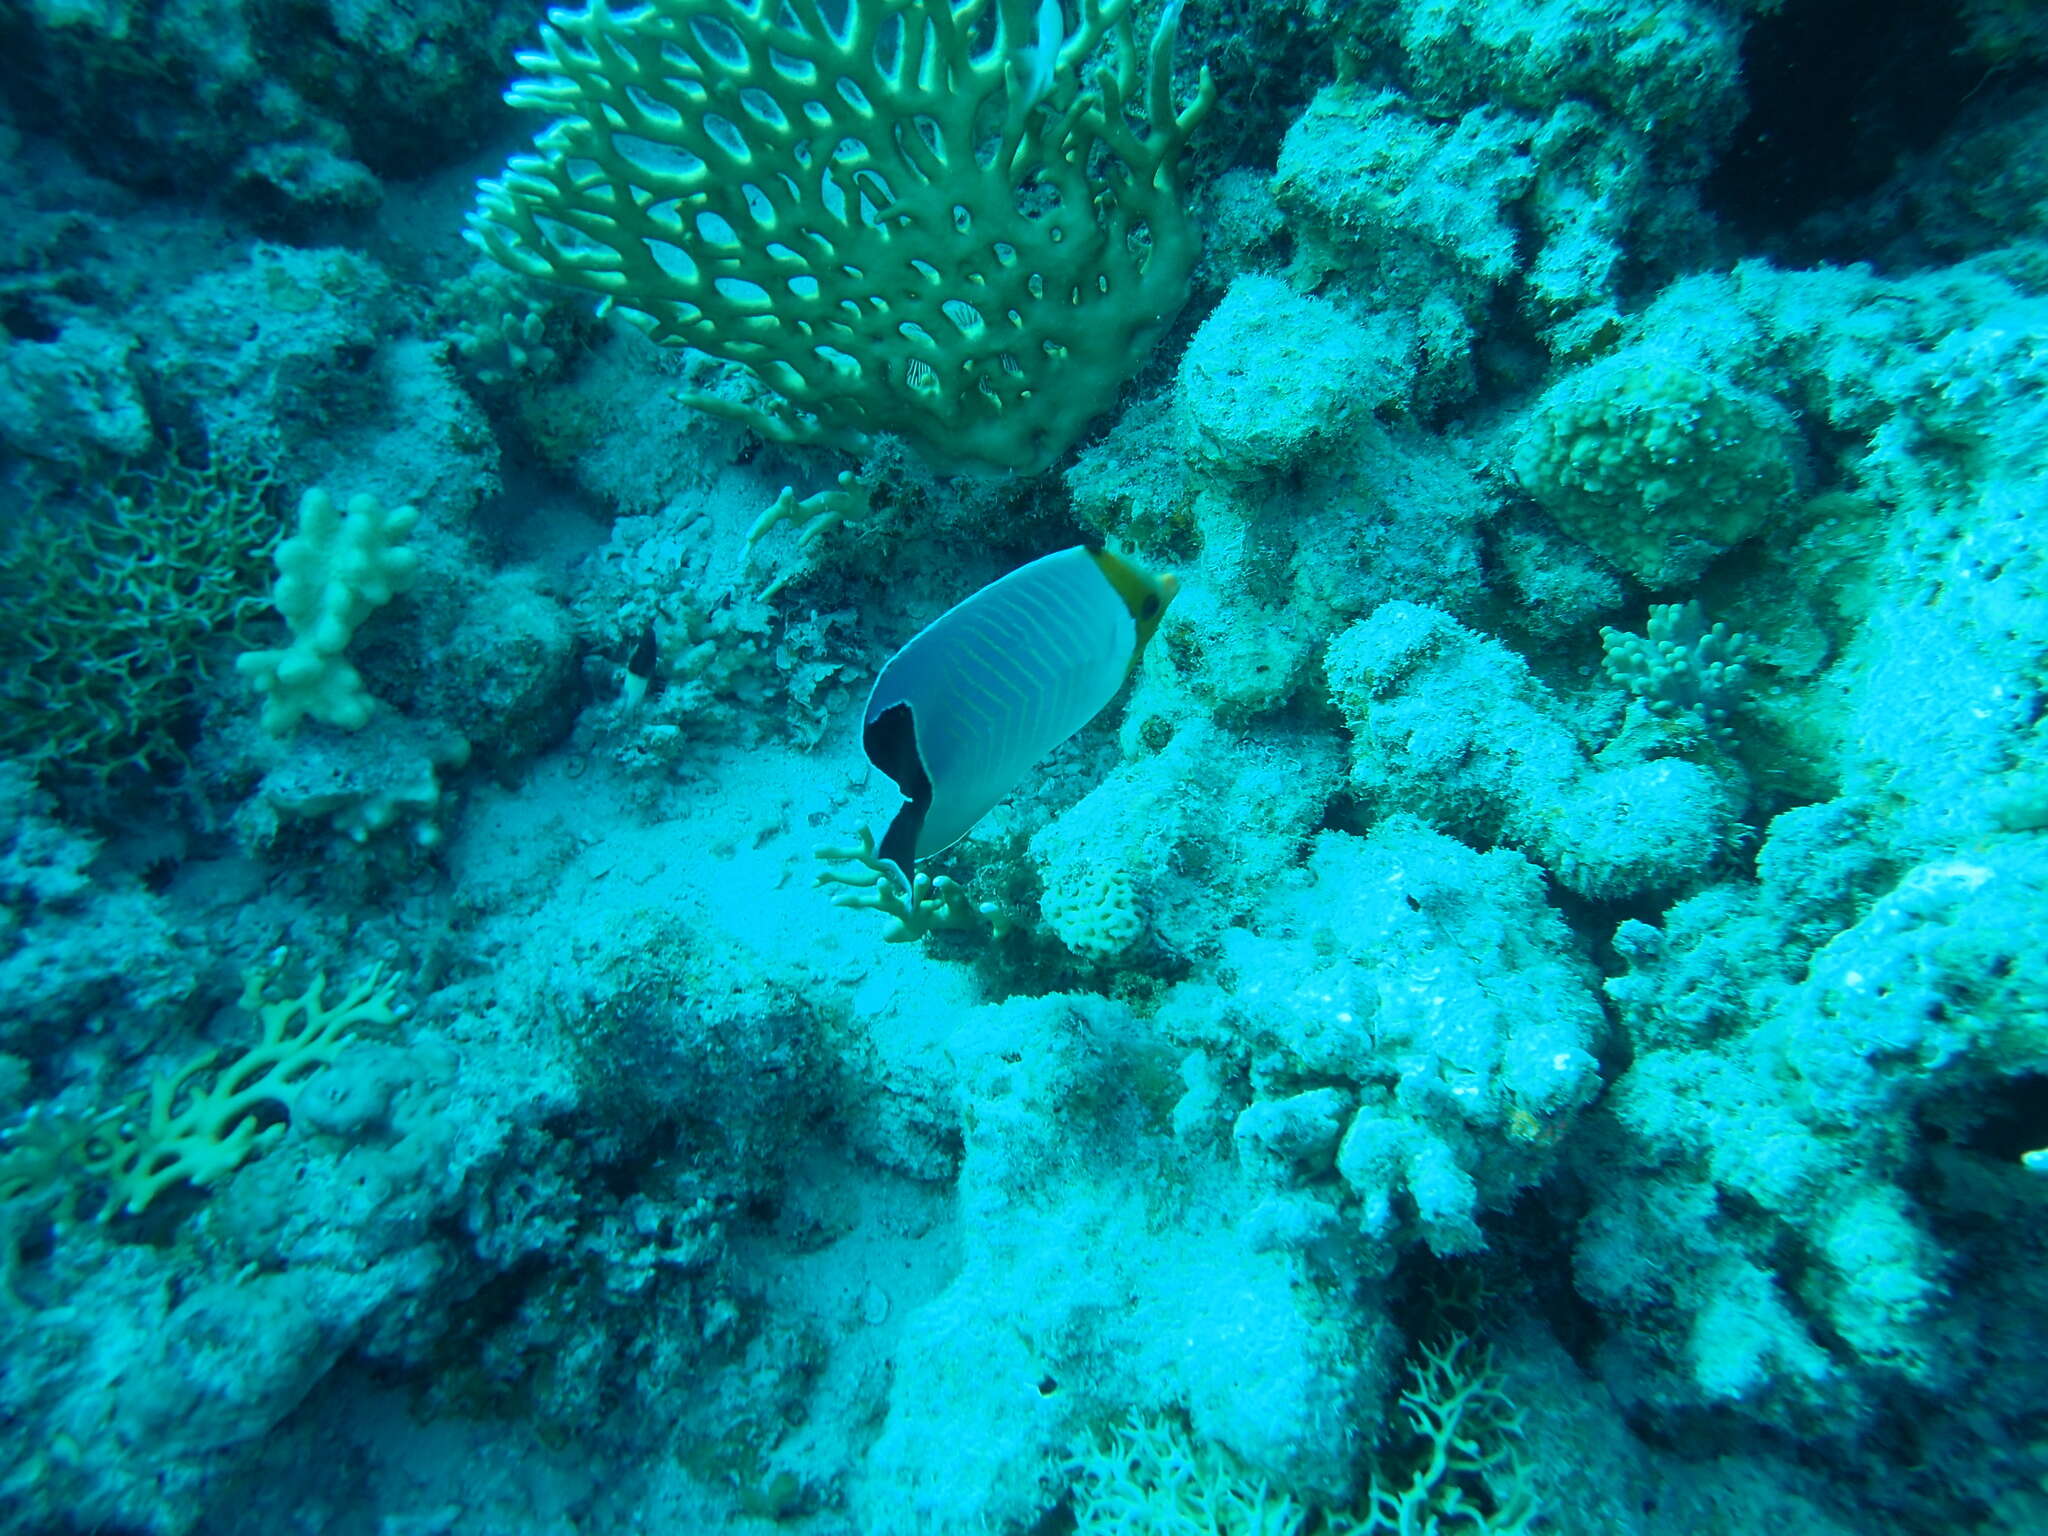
1095, 914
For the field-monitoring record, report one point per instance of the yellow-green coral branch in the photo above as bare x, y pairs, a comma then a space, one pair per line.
931, 903
189, 1126
817, 514
201, 1135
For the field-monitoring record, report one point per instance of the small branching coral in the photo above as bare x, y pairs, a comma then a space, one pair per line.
116, 610
1458, 1468
933, 903
1461, 1468
1149, 1475
498, 325
1683, 666
846, 500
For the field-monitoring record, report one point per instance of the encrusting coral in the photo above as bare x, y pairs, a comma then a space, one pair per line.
1656, 463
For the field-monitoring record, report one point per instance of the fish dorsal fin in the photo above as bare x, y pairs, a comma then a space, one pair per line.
1038, 61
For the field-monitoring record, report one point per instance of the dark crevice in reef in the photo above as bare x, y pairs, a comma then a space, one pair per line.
1840, 91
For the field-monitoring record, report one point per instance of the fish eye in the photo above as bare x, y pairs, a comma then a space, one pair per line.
1151, 605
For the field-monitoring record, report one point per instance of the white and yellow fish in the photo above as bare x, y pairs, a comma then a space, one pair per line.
963, 712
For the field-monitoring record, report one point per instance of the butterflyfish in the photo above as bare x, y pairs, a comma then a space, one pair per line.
963, 712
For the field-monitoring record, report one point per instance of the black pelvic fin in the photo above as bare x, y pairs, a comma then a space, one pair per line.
899, 843
642, 662
891, 742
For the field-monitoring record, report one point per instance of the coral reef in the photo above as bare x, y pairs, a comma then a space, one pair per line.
1523, 1014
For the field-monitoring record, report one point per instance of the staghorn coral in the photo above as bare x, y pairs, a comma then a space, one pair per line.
116, 612
1464, 1468
1151, 1476
1458, 1465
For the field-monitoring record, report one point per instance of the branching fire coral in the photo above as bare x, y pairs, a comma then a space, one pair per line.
199, 1124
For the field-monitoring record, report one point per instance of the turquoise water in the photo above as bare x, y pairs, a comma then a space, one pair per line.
1527, 1011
